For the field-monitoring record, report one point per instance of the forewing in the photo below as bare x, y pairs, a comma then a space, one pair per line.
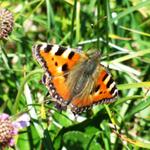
57, 62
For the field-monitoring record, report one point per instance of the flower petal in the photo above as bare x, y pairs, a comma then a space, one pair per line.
22, 121
24, 117
11, 142
4, 116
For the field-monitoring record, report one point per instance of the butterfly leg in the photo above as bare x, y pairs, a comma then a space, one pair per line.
60, 106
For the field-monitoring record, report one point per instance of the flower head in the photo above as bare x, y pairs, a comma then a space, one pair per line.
6, 23
9, 128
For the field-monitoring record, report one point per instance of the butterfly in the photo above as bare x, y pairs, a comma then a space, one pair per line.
74, 78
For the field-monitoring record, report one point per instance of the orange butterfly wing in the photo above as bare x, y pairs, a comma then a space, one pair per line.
105, 91
56, 61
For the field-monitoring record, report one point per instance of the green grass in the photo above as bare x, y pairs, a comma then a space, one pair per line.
124, 44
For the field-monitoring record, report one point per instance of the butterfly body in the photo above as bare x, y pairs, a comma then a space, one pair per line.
74, 78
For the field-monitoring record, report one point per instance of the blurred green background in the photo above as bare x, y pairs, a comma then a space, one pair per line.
120, 29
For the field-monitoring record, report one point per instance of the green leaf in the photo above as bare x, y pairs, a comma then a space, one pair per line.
77, 140
139, 107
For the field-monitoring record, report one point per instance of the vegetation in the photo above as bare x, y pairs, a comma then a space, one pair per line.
121, 31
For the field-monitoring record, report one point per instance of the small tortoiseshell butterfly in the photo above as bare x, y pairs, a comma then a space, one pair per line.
73, 78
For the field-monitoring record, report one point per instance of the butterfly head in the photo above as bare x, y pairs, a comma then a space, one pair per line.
94, 55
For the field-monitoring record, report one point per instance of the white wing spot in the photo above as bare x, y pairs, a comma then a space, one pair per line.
54, 50
115, 92
44, 45
66, 53
107, 79
111, 86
